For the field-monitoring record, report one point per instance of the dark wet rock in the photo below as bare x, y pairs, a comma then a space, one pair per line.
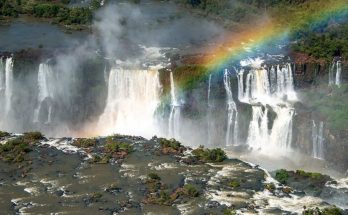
310, 183
212, 204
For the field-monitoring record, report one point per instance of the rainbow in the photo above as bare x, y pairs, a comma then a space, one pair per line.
314, 14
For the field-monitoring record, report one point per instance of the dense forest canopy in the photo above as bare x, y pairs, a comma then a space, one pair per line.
323, 40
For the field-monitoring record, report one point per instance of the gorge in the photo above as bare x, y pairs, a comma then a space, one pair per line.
158, 106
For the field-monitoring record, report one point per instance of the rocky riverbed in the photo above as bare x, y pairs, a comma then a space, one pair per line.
133, 175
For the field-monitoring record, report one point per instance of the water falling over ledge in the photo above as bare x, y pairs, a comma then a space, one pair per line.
133, 96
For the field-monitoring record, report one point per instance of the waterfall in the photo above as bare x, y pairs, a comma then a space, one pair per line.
269, 91
331, 74
45, 79
335, 79
7, 84
209, 126
174, 117
318, 140
232, 113
281, 134
133, 97
240, 76
258, 135
338, 73
267, 87
2, 78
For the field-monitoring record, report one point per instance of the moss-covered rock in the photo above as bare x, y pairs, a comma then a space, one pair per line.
309, 182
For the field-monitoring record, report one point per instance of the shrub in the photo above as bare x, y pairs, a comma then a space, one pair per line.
4, 134
326, 211
85, 142
14, 150
172, 143
33, 136
113, 146
210, 155
191, 190
282, 176
153, 176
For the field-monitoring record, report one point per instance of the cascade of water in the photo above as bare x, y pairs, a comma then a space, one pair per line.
265, 91
281, 134
45, 81
331, 74
8, 84
258, 129
133, 97
232, 113
264, 86
2, 77
318, 140
209, 112
174, 117
273, 80
240, 76
338, 73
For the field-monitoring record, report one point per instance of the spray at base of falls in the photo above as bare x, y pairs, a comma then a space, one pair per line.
318, 140
6, 85
232, 113
133, 96
175, 112
46, 91
268, 90
335, 78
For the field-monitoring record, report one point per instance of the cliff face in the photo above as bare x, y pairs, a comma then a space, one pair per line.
318, 102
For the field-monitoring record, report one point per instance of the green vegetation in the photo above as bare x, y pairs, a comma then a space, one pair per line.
331, 103
171, 146
321, 40
310, 183
282, 176
4, 134
209, 155
229, 212
56, 10
114, 146
271, 187
324, 45
104, 159
84, 142
190, 190
326, 211
172, 143
312, 175
234, 184
31, 137
14, 151
153, 176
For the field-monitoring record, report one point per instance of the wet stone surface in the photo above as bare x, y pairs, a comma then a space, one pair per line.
131, 176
